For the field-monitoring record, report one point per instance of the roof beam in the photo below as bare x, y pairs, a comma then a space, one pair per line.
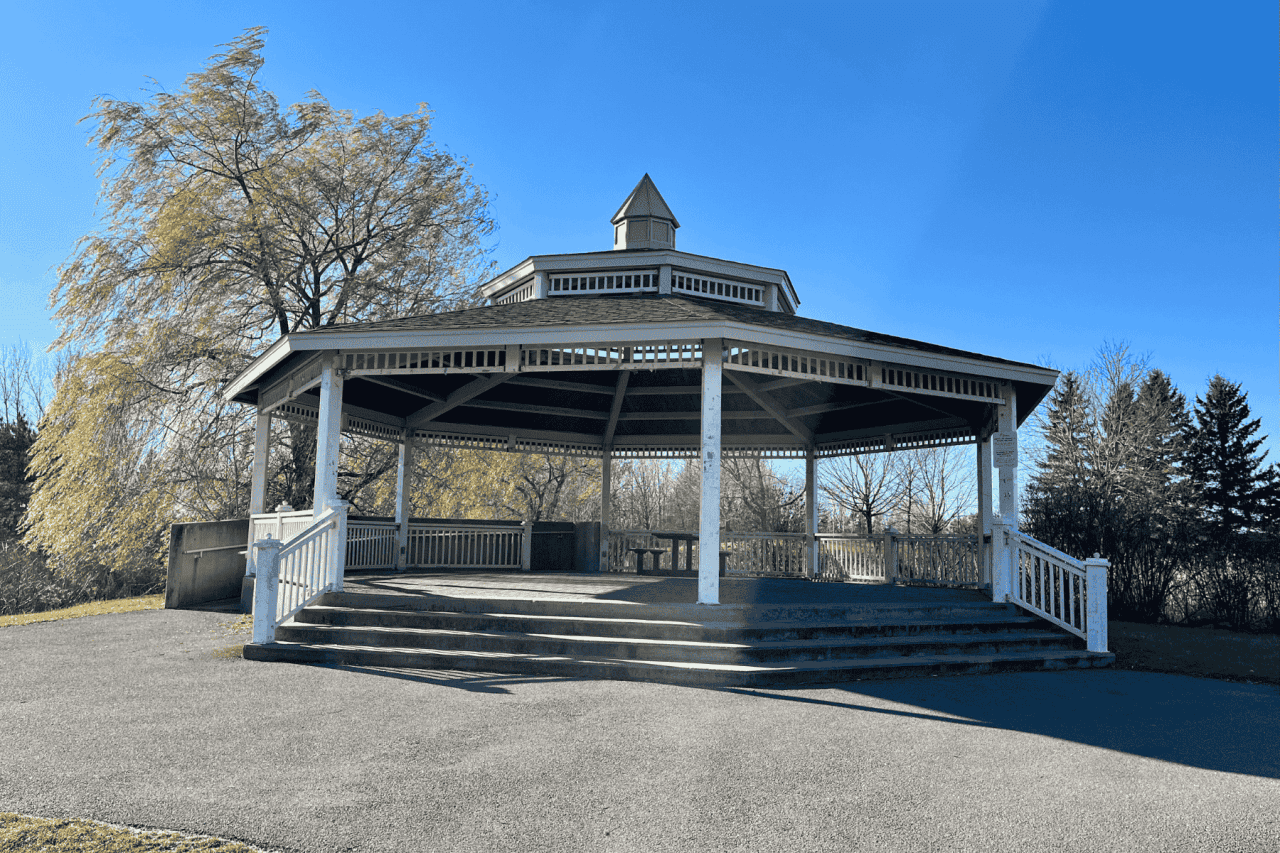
763, 401
531, 409
403, 387
619, 392
472, 389
526, 381
824, 408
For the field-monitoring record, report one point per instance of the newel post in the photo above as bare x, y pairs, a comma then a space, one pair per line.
265, 590
526, 547
1004, 555
1095, 579
338, 556
890, 556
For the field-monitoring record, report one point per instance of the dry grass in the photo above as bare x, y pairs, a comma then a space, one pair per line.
1202, 652
91, 608
23, 832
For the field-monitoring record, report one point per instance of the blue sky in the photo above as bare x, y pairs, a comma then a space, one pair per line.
1028, 180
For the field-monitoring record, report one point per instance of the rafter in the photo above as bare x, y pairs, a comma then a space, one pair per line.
619, 392
763, 401
472, 389
824, 408
403, 387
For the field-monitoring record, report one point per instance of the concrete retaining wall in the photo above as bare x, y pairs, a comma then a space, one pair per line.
206, 575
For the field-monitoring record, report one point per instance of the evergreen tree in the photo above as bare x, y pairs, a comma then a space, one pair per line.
1230, 485
16, 439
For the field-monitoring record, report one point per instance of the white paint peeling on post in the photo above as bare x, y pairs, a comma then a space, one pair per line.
811, 508
404, 477
709, 512
266, 589
984, 512
606, 506
526, 547
1096, 603
328, 439
258, 481
1004, 450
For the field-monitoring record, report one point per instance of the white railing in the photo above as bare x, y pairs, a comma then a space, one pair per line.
850, 557
280, 525
937, 559
371, 544
766, 554
292, 574
1070, 593
465, 546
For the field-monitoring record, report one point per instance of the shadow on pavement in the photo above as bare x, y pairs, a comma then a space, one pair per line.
1197, 722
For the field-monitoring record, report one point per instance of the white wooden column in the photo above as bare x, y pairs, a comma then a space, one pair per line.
261, 457
258, 482
606, 506
404, 477
328, 437
709, 512
811, 507
1004, 451
984, 510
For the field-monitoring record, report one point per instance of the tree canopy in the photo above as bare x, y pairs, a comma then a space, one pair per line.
228, 222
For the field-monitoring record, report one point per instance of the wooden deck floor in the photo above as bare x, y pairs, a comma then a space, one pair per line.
647, 590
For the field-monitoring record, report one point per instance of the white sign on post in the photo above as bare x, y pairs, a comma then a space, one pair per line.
1004, 449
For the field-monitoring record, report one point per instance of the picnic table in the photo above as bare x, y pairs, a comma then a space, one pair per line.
675, 537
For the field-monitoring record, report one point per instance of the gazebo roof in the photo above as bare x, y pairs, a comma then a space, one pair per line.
583, 353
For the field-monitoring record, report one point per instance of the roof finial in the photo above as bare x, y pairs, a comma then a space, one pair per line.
644, 221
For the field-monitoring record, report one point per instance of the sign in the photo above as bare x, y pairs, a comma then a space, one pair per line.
1004, 449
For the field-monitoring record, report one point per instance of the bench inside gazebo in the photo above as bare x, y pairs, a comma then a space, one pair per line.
649, 352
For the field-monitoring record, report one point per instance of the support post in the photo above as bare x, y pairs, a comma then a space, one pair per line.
404, 472
265, 590
985, 540
811, 509
258, 482
709, 511
1095, 579
526, 547
328, 439
606, 506
1004, 449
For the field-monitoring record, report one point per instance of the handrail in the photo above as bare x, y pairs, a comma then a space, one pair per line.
323, 523
1057, 587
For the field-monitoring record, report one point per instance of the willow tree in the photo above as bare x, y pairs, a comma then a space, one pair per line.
228, 222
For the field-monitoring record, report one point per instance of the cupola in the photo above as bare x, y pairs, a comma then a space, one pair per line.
644, 221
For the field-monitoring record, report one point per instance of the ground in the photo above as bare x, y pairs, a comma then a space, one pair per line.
147, 719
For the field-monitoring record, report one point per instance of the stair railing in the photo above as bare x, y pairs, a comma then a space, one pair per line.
1070, 593
292, 574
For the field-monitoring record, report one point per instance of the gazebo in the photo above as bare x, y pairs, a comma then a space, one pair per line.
643, 351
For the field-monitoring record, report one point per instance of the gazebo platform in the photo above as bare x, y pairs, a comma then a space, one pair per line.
764, 633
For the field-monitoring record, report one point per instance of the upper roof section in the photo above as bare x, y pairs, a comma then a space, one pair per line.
644, 221
644, 260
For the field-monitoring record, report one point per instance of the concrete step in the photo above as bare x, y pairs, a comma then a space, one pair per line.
698, 674
667, 649
579, 608
888, 624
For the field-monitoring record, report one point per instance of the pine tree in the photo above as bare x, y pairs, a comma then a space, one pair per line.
1230, 484
16, 439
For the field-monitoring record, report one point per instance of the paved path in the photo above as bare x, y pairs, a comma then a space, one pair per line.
137, 719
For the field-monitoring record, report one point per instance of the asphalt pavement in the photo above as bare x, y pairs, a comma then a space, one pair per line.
146, 719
